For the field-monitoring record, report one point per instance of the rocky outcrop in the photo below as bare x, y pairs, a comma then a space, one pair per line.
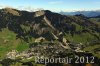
39, 13
40, 39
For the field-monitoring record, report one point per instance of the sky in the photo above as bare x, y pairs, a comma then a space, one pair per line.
53, 5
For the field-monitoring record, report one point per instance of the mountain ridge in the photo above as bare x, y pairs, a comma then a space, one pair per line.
40, 22
86, 13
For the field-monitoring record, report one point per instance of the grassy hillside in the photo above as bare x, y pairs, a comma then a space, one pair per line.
9, 42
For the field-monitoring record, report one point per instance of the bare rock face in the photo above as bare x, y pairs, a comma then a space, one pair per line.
39, 13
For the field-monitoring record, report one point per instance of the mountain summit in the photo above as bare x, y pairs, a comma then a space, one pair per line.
12, 11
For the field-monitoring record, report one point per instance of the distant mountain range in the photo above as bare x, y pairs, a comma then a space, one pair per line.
86, 13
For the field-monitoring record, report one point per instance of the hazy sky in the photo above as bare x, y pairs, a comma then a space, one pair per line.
54, 5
